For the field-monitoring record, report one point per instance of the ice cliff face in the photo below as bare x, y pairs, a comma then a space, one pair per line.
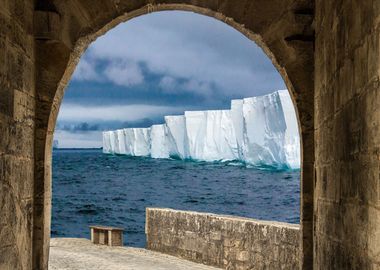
128, 141
264, 145
177, 136
238, 122
260, 131
211, 135
159, 142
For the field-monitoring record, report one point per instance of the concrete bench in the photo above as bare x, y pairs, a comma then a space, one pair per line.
110, 236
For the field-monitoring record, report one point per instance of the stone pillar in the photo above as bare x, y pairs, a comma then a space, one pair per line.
347, 135
51, 61
17, 107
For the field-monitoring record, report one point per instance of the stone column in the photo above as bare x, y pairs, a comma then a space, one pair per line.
347, 135
17, 108
51, 62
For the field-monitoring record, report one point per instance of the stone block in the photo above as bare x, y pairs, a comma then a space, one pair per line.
110, 236
223, 241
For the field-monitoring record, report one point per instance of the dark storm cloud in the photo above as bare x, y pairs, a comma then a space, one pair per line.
81, 127
175, 53
159, 64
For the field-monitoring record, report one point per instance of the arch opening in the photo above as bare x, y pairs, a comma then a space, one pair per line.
82, 44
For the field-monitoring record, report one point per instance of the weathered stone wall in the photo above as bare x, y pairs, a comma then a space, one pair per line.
40, 44
41, 41
224, 241
347, 135
17, 106
283, 28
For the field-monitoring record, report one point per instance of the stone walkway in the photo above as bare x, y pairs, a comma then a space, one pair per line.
81, 254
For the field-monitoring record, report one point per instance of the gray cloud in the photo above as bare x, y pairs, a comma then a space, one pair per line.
185, 46
81, 127
79, 114
85, 71
124, 73
168, 84
158, 64
67, 139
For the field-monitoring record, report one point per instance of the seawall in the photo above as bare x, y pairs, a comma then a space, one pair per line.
223, 241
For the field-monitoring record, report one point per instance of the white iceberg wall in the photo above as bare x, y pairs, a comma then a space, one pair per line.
195, 133
177, 136
106, 142
116, 145
228, 142
220, 140
129, 137
260, 131
265, 127
238, 123
112, 142
211, 135
141, 141
271, 131
128, 141
121, 142
159, 142
292, 145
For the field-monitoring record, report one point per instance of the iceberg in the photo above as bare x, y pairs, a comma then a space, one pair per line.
220, 139
261, 131
292, 144
263, 145
140, 144
238, 124
106, 142
195, 133
177, 136
120, 142
129, 139
211, 135
112, 141
159, 142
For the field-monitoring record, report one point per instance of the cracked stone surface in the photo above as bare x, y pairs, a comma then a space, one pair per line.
81, 254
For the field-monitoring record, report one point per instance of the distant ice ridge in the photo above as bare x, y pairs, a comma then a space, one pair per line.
260, 131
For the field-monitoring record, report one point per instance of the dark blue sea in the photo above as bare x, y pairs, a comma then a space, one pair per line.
93, 188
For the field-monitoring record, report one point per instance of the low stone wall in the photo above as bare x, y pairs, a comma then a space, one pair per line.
223, 241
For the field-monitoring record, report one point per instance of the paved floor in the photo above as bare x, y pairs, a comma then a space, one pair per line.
80, 254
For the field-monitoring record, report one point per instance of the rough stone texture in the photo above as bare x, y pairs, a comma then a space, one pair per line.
64, 29
347, 132
17, 110
42, 40
80, 254
227, 242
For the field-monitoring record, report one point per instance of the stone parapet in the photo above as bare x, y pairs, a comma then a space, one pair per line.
223, 241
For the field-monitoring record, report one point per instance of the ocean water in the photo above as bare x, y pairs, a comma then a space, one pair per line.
90, 187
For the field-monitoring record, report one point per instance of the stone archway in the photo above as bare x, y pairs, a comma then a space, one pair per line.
38, 38
64, 29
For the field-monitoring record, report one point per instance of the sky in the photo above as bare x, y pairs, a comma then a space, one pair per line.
155, 65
